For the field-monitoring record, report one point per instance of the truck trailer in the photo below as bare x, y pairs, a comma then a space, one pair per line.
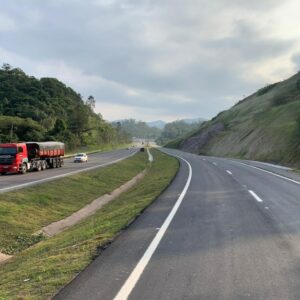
30, 156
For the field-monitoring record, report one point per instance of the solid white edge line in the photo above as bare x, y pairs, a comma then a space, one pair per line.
228, 172
255, 196
135, 275
269, 172
15, 187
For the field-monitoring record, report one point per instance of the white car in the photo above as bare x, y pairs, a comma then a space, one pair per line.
80, 157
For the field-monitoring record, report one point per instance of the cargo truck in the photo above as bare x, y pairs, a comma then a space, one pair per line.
31, 156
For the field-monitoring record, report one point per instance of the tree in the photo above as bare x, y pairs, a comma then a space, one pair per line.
46, 109
176, 130
6, 67
90, 102
59, 127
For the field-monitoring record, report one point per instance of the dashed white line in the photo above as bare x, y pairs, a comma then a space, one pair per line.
228, 172
130, 283
255, 196
214, 163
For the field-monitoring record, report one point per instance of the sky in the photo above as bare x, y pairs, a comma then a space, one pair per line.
154, 59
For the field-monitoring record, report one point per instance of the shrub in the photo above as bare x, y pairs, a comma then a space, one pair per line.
266, 89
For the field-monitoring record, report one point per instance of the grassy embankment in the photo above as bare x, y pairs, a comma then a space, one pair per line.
41, 270
264, 126
96, 148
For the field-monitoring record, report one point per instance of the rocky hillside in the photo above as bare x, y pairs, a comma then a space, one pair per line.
264, 126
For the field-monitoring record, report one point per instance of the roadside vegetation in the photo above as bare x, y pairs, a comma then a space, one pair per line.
25, 211
137, 129
173, 130
97, 148
41, 270
177, 130
264, 126
45, 109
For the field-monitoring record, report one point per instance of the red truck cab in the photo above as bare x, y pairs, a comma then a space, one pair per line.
13, 158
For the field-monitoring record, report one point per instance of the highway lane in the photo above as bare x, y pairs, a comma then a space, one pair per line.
236, 235
13, 181
281, 170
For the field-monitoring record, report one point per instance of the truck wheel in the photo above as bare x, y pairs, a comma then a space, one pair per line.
23, 169
54, 163
39, 166
44, 165
3, 173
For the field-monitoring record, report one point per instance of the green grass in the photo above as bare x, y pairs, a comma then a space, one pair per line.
40, 271
264, 126
26, 211
95, 148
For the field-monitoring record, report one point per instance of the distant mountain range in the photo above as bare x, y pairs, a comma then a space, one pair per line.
158, 124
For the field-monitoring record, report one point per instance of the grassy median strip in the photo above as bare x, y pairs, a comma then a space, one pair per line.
25, 211
40, 271
96, 148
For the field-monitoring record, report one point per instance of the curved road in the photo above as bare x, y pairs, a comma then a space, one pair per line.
14, 181
231, 232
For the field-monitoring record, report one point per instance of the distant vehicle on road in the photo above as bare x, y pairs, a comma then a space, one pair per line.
80, 157
31, 156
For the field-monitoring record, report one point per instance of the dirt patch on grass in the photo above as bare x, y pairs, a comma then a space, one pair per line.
90, 209
4, 257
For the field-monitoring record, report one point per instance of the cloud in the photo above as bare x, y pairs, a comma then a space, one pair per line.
155, 59
7, 24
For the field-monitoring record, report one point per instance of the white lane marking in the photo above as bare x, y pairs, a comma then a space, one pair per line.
204, 159
228, 172
214, 163
150, 156
255, 196
133, 278
15, 187
271, 165
269, 172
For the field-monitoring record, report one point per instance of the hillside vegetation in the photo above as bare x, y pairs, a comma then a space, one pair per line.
137, 129
176, 130
264, 126
170, 131
46, 109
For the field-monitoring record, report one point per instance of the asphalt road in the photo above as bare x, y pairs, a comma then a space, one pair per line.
14, 181
235, 235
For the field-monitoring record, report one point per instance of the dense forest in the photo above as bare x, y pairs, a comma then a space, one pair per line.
46, 109
177, 129
138, 129
170, 131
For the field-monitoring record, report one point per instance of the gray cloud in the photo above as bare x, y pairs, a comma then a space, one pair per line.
170, 58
